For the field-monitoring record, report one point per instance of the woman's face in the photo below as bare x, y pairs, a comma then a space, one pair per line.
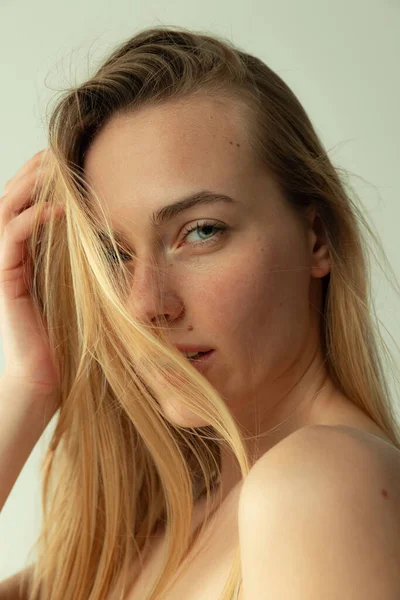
246, 290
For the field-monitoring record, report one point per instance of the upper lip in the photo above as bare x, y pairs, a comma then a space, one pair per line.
197, 348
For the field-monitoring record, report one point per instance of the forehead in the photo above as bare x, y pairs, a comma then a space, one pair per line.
181, 144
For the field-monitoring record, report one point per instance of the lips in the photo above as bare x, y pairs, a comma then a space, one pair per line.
192, 348
199, 356
203, 362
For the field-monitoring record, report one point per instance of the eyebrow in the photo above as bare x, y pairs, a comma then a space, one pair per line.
169, 212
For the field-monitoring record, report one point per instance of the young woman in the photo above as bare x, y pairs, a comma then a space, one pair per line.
186, 281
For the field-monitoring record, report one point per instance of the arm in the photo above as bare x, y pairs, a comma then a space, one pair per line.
10, 587
23, 418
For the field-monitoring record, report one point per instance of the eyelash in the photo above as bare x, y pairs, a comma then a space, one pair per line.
220, 229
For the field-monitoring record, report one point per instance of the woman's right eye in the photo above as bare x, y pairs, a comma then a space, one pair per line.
113, 257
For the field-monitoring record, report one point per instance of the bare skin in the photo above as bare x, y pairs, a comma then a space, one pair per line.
254, 294
214, 552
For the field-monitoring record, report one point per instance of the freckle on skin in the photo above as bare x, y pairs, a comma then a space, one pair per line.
384, 493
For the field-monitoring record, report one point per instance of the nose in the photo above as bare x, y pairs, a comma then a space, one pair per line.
153, 298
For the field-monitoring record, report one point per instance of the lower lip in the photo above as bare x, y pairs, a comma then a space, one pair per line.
204, 361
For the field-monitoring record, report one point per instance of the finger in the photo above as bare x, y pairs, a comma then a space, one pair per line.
13, 249
19, 197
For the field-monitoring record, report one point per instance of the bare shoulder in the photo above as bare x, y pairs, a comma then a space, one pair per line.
334, 461
325, 503
10, 587
321, 452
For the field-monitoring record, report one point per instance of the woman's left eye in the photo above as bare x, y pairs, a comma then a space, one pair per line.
210, 225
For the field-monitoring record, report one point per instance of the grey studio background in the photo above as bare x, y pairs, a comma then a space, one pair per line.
341, 59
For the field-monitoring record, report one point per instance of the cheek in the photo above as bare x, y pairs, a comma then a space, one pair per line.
224, 295
257, 297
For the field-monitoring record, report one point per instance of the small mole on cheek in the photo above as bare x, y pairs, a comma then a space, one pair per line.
384, 493
238, 145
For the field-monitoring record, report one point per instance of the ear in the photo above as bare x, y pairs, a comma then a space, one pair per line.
318, 244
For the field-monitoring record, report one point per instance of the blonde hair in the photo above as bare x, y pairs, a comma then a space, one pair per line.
115, 467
